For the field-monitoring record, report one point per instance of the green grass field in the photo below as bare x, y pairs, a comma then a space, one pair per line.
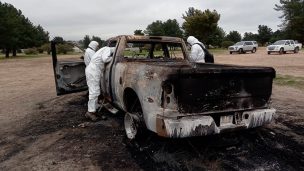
41, 55
291, 81
218, 51
23, 56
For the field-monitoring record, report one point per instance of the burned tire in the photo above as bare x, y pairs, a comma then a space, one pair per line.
133, 120
296, 50
281, 51
253, 50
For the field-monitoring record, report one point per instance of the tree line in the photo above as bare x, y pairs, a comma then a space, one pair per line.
204, 26
17, 31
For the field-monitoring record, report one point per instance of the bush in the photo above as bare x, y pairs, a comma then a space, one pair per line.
40, 50
226, 44
64, 48
46, 47
31, 51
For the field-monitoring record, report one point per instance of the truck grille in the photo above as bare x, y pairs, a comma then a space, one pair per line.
231, 48
271, 48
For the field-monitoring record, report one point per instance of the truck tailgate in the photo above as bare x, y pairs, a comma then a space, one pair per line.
222, 87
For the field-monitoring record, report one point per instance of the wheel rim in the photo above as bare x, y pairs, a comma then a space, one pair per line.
130, 126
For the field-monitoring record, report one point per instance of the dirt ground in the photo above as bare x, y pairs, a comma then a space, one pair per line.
39, 131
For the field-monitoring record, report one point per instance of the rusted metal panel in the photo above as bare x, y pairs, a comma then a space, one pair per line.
202, 125
258, 117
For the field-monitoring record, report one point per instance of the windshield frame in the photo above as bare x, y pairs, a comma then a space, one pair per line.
151, 51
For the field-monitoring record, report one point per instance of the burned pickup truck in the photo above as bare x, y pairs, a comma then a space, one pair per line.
153, 82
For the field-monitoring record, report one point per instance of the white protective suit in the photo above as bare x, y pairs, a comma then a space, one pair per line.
94, 74
197, 54
90, 51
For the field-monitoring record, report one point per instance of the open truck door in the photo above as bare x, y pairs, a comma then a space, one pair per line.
69, 75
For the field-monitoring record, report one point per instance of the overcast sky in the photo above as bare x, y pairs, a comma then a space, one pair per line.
72, 19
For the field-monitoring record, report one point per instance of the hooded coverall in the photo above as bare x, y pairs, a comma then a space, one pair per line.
94, 74
90, 51
197, 54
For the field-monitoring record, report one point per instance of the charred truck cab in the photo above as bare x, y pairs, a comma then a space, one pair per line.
153, 82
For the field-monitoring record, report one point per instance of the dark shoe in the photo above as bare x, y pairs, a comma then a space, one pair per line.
91, 116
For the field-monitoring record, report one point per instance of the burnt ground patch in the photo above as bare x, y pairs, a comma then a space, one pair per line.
53, 131
255, 149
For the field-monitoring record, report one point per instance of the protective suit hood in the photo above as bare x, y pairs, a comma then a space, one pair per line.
197, 53
192, 40
112, 51
93, 45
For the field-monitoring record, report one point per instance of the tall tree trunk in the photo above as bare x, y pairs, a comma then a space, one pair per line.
7, 53
14, 52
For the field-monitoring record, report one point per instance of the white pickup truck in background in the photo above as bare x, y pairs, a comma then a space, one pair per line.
282, 46
298, 44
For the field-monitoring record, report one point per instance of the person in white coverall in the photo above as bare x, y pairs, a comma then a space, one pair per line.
197, 54
94, 73
90, 51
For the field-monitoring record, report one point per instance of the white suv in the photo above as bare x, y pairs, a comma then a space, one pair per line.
243, 47
282, 46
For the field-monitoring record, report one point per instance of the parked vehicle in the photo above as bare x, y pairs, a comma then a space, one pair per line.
243, 47
255, 44
283, 46
158, 89
298, 44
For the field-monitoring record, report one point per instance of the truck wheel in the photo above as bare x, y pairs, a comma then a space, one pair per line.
230, 52
131, 123
296, 50
281, 51
133, 118
268, 53
241, 51
253, 50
